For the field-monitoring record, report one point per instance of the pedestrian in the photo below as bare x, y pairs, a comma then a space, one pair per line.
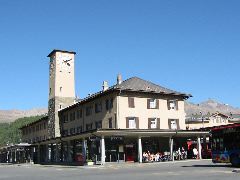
195, 153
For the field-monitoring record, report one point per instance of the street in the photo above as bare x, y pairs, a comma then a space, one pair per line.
194, 169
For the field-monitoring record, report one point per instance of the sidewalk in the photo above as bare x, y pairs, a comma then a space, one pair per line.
110, 164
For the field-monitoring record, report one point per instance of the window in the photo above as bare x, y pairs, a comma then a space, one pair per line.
172, 104
88, 126
72, 131
60, 89
60, 106
65, 118
79, 114
79, 129
110, 125
72, 116
153, 104
65, 132
98, 107
218, 119
88, 110
98, 125
152, 123
132, 123
109, 104
131, 102
173, 124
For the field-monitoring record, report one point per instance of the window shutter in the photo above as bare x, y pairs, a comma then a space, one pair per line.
149, 123
127, 122
169, 123
168, 104
148, 103
158, 123
176, 104
137, 122
157, 104
177, 121
131, 102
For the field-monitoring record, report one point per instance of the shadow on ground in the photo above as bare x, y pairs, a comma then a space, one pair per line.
211, 165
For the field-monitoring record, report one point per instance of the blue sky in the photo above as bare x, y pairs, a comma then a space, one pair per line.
189, 46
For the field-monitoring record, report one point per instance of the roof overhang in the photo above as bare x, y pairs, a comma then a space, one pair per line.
128, 133
57, 50
150, 133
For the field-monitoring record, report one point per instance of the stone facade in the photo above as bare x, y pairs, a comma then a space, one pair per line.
61, 87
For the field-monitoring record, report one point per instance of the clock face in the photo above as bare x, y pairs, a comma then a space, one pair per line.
65, 62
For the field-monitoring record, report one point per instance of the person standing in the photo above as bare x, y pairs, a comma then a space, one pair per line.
195, 153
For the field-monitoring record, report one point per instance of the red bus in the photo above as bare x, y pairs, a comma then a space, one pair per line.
226, 144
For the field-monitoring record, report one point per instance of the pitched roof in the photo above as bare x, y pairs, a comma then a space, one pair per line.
219, 114
235, 116
35, 122
138, 84
133, 84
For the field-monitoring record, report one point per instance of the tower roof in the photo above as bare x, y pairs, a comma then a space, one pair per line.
57, 50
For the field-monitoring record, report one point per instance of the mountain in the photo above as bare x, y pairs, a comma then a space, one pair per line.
209, 106
11, 115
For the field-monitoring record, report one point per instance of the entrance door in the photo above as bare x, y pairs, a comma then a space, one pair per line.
130, 152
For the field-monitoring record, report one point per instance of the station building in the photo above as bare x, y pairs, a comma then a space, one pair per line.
116, 124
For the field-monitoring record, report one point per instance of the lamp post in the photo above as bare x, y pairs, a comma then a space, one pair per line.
202, 119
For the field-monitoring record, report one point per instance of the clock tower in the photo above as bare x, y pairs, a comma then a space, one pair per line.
61, 87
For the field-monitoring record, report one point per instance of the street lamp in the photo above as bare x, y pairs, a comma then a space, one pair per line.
202, 119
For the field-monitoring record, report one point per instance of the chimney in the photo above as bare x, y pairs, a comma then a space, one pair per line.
105, 85
119, 79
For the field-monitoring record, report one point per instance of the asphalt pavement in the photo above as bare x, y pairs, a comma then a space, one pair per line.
178, 170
